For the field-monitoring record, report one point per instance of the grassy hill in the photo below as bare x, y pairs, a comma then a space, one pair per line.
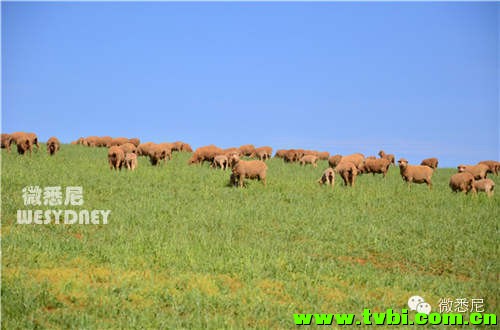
183, 249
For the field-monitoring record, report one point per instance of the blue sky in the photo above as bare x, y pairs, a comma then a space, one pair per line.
416, 79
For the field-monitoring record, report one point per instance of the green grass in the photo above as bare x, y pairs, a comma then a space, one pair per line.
182, 249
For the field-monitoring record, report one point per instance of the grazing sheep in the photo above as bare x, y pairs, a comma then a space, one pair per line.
431, 162
493, 166
247, 150
334, 160
415, 173
486, 185
263, 153
131, 161
143, 148
249, 169
377, 165
357, 159
293, 155
479, 171
6, 140
128, 148
205, 154
328, 177
158, 152
323, 155
309, 159
389, 157
347, 171
33, 140
220, 161
118, 141
371, 157
116, 157
463, 182
23, 143
53, 145
280, 153
185, 147
134, 141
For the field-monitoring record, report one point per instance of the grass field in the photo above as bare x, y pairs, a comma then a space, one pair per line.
182, 249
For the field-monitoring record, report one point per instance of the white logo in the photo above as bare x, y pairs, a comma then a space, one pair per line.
417, 303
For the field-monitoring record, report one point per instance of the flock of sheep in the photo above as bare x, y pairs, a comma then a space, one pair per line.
123, 152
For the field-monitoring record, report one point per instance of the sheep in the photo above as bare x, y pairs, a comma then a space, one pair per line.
323, 155
389, 157
479, 171
157, 152
280, 153
116, 157
247, 150
377, 165
220, 161
334, 160
128, 148
486, 185
263, 153
205, 154
131, 161
6, 140
415, 173
117, 141
493, 166
309, 159
53, 145
463, 182
371, 157
356, 159
328, 177
347, 171
251, 169
134, 141
431, 162
143, 148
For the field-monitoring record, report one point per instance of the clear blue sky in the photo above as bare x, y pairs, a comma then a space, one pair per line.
416, 79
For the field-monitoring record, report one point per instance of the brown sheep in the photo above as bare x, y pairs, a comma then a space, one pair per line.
33, 140
247, 150
205, 154
377, 165
334, 160
116, 157
479, 171
6, 140
186, 147
463, 182
415, 173
23, 143
328, 177
431, 162
389, 157
134, 141
486, 185
128, 148
143, 148
263, 153
356, 159
91, 141
220, 161
309, 159
53, 145
158, 152
293, 155
493, 166
131, 161
371, 157
280, 153
347, 171
118, 141
323, 155
248, 169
